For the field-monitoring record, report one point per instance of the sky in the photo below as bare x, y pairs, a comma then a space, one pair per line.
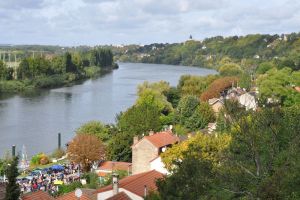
99, 22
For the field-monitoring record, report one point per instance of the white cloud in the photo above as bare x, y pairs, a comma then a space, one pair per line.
72, 22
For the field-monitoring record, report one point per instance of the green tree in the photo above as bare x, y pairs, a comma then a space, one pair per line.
3, 71
69, 65
136, 121
192, 179
276, 87
140, 119
201, 117
230, 69
173, 96
12, 188
194, 85
95, 128
264, 67
24, 70
186, 108
119, 147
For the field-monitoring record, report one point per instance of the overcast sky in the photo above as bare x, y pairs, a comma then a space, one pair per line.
92, 22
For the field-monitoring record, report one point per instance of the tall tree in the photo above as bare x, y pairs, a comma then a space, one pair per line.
23, 71
12, 188
70, 66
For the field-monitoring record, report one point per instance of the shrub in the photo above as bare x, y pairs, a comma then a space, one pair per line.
49, 82
230, 69
11, 86
63, 189
39, 159
44, 160
92, 180
58, 153
92, 71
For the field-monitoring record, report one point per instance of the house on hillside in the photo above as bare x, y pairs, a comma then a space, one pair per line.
216, 104
211, 127
234, 93
145, 152
248, 101
135, 187
108, 167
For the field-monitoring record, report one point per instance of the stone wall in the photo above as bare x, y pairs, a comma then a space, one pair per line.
142, 153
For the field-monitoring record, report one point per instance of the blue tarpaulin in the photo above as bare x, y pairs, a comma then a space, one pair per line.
57, 167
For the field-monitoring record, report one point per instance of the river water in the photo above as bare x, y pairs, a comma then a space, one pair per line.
34, 120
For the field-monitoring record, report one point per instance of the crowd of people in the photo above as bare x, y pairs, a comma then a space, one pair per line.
49, 179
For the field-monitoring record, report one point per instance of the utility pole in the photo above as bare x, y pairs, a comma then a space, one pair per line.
13, 150
59, 140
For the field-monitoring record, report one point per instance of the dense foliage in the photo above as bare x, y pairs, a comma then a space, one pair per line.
258, 158
12, 188
96, 128
211, 51
39, 159
277, 87
53, 70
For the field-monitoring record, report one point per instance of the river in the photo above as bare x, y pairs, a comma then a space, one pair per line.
34, 120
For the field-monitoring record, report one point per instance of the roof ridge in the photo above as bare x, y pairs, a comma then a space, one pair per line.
141, 175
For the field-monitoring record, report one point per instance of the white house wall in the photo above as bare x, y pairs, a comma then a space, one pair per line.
158, 165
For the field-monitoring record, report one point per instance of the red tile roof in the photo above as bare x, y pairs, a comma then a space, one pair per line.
110, 165
136, 183
120, 196
161, 139
38, 195
87, 194
2, 191
102, 174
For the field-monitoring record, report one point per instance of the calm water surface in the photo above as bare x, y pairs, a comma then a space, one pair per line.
35, 120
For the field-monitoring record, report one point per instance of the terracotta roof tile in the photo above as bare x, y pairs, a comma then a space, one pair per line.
102, 174
87, 194
120, 196
110, 165
38, 195
136, 183
161, 139
2, 191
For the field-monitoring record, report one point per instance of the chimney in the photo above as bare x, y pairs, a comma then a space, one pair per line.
145, 191
115, 182
151, 133
135, 139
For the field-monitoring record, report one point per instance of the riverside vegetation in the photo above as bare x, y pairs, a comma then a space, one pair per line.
54, 71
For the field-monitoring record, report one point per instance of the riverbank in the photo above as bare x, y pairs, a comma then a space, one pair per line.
53, 81
39, 116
